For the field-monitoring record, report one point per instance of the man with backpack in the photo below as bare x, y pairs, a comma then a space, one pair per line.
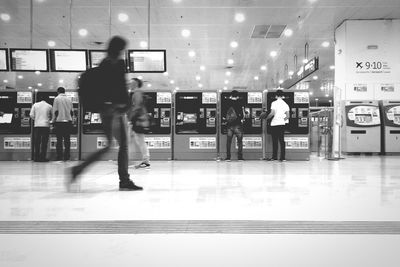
140, 121
115, 104
234, 118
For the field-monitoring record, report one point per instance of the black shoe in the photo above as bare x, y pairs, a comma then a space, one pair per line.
129, 186
282, 160
227, 159
43, 160
240, 159
143, 165
271, 159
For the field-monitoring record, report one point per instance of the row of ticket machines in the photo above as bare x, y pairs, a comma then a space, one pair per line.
184, 126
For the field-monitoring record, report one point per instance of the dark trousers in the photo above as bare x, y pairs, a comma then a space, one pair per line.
236, 130
63, 133
278, 136
114, 125
41, 140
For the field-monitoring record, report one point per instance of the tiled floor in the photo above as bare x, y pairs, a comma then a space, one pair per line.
355, 189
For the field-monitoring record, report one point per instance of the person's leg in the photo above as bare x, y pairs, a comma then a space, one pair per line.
59, 135
144, 150
119, 129
106, 118
44, 141
239, 137
37, 138
281, 138
67, 140
229, 137
274, 142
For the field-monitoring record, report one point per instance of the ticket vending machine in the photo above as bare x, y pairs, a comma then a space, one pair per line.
159, 140
15, 125
361, 129
252, 125
92, 136
195, 126
297, 136
391, 126
49, 97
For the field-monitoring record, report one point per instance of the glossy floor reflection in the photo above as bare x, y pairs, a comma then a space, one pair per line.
357, 188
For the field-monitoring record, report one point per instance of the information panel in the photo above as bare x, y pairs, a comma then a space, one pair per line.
17, 143
147, 61
209, 98
68, 60
160, 142
202, 143
24, 97
251, 143
74, 143
29, 60
296, 142
3, 60
163, 98
96, 56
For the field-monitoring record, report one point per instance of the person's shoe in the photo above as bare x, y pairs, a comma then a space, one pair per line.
129, 186
143, 165
271, 159
240, 159
43, 160
282, 160
72, 177
227, 159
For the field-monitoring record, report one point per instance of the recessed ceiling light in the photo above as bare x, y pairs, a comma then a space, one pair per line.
185, 33
123, 17
200, 85
39, 84
239, 17
143, 44
325, 44
332, 67
165, 73
280, 81
140, 77
330, 100
291, 73
273, 53
5, 81
177, 88
305, 61
226, 82
327, 95
256, 78
315, 77
149, 85
83, 32
198, 78
192, 53
230, 61
322, 88
263, 67
37, 72
171, 81
228, 73
316, 99
30, 87
177, 1
51, 43
202, 68
311, 93
288, 32
20, 77
234, 44
5, 17
225, 88
61, 81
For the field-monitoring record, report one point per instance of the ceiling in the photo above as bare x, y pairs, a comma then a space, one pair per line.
212, 26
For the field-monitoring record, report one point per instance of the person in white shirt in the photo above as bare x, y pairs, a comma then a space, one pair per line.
280, 117
62, 112
41, 114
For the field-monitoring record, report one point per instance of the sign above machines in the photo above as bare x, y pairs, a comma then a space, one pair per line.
303, 72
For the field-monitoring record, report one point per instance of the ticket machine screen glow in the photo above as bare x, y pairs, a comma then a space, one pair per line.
363, 116
15, 117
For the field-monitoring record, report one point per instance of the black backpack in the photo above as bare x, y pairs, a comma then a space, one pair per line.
92, 89
231, 115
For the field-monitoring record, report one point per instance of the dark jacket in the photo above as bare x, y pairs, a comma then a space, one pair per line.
116, 91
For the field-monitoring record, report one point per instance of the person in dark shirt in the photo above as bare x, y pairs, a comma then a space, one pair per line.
235, 127
113, 114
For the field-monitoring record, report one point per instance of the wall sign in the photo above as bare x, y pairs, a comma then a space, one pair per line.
251, 143
24, 97
209, 98
296, 143
161, 142
163, 98
73, 140
202, 143
17, 143
102, 143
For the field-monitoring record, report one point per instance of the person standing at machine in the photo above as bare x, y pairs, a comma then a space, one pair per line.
140, 122
234, 118
280, 117
41, 114
115, 105
62, 114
